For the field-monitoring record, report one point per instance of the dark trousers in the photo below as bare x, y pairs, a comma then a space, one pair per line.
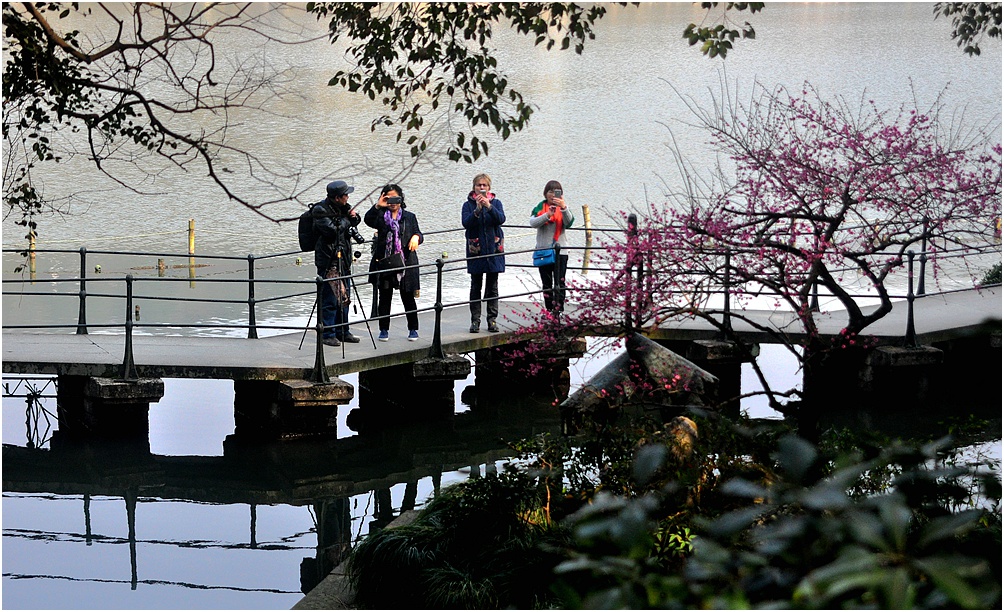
553, 282
334, 318
383, 307
491, 286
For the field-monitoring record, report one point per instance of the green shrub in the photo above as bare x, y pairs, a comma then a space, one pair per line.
481, 544
805, 541
992, 276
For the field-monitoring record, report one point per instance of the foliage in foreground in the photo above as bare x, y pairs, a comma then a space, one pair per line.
640, 525
805, 541
483, 543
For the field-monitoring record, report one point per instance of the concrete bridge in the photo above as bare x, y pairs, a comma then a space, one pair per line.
937, 318
278, 371
288, 385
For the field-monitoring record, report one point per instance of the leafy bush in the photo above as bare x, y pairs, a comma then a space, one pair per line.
992, 276
480, 544
804, 541
752, 516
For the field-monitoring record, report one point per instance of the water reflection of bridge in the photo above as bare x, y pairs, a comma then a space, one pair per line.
322, 474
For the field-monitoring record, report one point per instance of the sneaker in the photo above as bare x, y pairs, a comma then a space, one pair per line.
384, 335
351, 339
475, 327
413, 335
492, 327
331, 341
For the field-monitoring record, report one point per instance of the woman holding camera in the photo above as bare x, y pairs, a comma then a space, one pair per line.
551, 217
395, 246
482, 217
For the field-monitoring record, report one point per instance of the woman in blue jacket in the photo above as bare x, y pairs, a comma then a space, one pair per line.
482, 217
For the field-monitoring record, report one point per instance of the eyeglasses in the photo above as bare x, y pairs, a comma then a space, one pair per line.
482, 185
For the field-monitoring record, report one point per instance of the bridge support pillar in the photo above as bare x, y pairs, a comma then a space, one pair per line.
281, 409
874, 389
106, 408
889, 371
966, 376
408, 392
721, 359
544, 372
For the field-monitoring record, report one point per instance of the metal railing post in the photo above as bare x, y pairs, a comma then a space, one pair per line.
320, 371
252, 321
82, 314
555, 289
923, 258
632, 232
727, 308
920, 282
128, 363
436, 350
910, 341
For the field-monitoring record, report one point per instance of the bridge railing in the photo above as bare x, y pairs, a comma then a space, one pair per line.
302, 287
82, 288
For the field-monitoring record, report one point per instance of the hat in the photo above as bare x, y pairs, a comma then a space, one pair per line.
337, 189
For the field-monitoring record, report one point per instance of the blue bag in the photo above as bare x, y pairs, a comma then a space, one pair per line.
543, 257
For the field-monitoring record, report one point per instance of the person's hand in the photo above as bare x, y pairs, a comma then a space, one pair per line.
560, 203
413, 243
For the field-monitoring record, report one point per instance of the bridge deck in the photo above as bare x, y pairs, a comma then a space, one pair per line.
937, 318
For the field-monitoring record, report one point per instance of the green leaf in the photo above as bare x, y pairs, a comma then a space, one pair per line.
796, 456
649, 460
944, 573
739, 487
947, 527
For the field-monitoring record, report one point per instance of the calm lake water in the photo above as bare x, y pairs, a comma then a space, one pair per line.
601, 127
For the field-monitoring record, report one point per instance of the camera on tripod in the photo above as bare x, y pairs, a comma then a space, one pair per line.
355, 235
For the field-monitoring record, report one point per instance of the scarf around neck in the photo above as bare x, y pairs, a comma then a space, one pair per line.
472, 194
393, 244
557, 218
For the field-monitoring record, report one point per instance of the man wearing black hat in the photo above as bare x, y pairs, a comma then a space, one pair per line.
333, 225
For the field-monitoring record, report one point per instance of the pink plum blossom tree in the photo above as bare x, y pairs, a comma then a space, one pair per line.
808, 196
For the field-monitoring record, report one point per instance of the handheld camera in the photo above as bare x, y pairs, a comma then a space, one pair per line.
557, 193
395, 200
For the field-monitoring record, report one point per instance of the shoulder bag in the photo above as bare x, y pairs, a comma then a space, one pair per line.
543, 257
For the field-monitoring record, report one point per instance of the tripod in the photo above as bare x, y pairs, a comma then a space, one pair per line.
314, 307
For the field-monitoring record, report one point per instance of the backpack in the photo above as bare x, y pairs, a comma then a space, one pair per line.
305, 230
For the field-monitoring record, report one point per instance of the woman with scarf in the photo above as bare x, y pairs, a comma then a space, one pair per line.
482, 217
396, 244
551, 217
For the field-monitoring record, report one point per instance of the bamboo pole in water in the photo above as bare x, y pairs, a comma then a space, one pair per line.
588, 221
31, 254
191, 253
